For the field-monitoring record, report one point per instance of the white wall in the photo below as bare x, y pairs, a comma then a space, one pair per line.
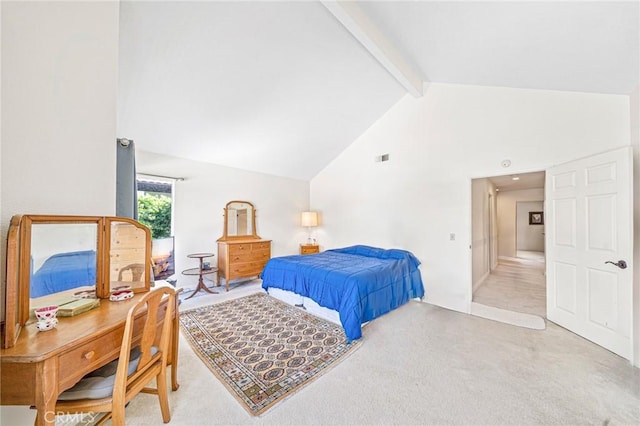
529, 237
58, 108
207, 188
481, 189
437, 143
59, 80
507, 217
634, 103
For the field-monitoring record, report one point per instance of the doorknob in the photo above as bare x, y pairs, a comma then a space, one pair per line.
620, 264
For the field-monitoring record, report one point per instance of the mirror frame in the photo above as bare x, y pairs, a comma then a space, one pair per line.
225, 234
12, 325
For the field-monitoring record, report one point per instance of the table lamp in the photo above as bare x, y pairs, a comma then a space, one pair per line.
309, 219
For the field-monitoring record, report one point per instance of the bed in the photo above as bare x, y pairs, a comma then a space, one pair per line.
360, 282
64, 271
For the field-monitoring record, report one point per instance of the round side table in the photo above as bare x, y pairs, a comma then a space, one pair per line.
200, 272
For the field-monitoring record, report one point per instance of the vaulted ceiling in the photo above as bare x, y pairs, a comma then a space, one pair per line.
283, 87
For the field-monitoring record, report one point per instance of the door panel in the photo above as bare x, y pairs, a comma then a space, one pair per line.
565, 295
564, 213
564, 180
601, 226
589, 222
604, 173
603, 298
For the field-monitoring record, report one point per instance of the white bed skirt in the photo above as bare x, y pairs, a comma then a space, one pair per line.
312, 307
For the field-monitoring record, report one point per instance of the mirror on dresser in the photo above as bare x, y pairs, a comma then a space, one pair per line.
239, 220
241, 252
57, 260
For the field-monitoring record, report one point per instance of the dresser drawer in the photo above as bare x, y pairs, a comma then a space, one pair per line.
239, 248
241, 258
265, 245
84, 359
260, 255
253, 256
247, 269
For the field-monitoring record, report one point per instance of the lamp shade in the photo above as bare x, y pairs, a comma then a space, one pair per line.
309, 219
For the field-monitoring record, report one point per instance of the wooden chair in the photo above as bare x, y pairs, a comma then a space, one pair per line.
131, 376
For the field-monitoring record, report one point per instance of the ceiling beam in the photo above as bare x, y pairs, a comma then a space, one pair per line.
356, 22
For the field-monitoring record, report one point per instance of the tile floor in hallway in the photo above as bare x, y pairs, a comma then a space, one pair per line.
516, 284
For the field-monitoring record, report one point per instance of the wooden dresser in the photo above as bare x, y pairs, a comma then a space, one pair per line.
242, 258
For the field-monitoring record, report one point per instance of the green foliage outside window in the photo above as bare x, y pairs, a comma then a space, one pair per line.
154, 211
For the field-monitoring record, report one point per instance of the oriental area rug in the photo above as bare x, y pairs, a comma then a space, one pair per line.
263, 350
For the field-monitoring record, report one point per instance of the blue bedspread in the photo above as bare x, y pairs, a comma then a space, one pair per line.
64, 271
360, 282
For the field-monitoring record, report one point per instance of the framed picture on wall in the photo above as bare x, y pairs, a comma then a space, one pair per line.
536, 218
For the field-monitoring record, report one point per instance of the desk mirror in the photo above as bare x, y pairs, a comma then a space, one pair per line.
63, 258
129, 260
59, 260
239, 220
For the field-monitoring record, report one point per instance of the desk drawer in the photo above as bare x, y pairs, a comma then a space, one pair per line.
74, 364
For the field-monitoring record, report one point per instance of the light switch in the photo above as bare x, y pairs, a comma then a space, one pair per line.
452, 237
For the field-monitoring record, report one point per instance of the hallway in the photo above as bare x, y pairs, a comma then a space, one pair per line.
516, 284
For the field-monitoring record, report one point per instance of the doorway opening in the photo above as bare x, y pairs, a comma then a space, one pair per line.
508, 260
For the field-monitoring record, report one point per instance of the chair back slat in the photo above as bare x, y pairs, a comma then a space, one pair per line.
149, 331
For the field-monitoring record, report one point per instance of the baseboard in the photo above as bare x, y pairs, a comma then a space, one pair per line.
481, 281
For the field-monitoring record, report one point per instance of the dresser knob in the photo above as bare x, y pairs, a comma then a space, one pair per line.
88, 355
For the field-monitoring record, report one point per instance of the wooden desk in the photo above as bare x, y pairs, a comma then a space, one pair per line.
42, 365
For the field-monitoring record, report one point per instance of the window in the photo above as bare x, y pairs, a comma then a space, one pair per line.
155, 205
155, 210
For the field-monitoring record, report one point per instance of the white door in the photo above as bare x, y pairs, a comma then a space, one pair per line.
589, 212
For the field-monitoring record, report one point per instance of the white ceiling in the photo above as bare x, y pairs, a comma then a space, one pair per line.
283, 88
576, 46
